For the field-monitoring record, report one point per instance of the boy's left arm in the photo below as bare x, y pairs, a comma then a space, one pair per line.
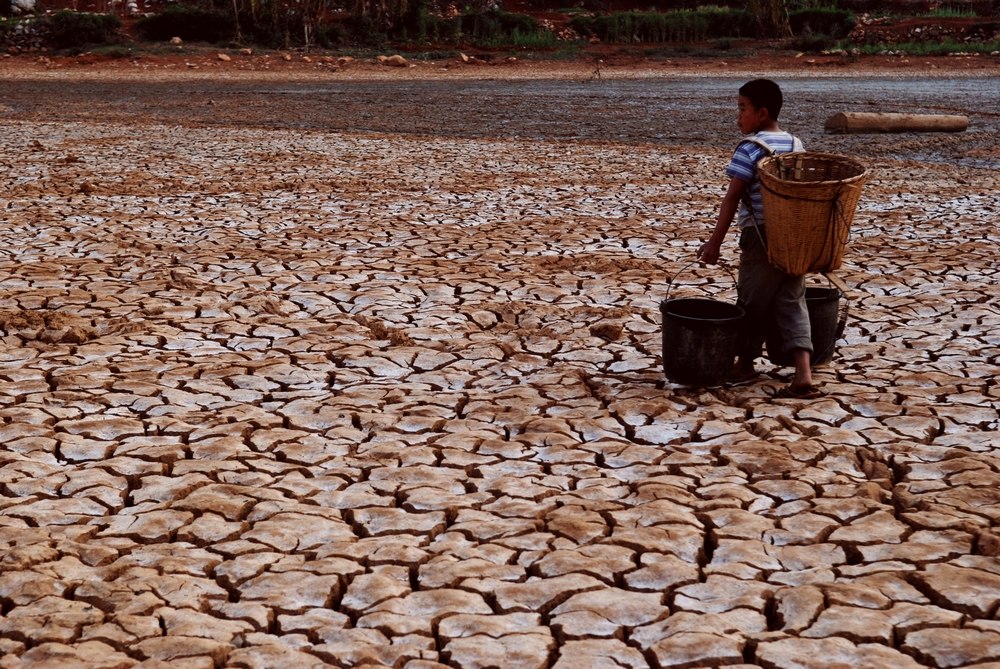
710, 250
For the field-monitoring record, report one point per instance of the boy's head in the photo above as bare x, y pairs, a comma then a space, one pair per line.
760, 103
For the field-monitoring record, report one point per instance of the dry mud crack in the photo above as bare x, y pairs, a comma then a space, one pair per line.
328, 397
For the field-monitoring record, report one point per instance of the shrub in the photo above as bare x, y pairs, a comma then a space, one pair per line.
813, 43
333, 35
71, 30
364, 32
430, 28
727, 22
192, 24
494, 27
683, 25
537, 39
491, 28
822, 21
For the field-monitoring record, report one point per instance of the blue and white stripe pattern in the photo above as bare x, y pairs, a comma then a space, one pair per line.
744, 166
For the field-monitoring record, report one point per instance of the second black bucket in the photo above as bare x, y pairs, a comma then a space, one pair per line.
699, 340
826, 321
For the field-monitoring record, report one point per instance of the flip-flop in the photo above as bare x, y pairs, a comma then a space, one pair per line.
807, 392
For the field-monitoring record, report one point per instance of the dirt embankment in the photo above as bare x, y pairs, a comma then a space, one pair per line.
598, 61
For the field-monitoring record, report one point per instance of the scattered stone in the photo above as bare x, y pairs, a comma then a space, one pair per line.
393, 61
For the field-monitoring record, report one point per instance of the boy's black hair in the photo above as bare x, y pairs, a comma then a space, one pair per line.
763, 94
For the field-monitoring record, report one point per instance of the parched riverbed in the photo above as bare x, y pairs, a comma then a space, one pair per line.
367, 372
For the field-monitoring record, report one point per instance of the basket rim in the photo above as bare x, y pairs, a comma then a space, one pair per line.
832, 157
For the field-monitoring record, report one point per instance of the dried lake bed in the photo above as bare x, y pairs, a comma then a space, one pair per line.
366, 371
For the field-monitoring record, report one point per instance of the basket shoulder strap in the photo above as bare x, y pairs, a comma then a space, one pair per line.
797, 145
768, 149
746, 199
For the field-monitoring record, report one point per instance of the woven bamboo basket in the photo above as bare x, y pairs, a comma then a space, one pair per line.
809, 203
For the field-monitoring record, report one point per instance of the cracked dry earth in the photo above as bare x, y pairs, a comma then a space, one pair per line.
338, 398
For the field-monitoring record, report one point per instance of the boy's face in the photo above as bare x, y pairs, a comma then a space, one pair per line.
749, 118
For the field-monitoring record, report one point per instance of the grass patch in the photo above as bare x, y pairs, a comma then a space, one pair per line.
681, 25
539, 39
950, 13
492, 29
943, 48
113, 51
812, 43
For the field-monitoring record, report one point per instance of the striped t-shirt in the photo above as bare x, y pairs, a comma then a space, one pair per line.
744, 166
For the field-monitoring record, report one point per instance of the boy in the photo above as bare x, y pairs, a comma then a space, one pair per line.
764, 292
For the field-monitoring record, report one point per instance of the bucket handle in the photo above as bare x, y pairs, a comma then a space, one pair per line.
836, 282
670, 283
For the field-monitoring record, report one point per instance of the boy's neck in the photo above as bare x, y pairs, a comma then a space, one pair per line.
769, 127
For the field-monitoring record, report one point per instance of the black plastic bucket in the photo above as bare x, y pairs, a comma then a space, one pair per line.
826, 322
699, 340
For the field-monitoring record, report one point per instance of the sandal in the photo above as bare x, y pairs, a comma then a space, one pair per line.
806, 392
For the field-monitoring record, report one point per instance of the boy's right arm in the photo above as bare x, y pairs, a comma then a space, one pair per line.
710, 250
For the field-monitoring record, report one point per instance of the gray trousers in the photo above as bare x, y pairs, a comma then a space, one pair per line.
769, 295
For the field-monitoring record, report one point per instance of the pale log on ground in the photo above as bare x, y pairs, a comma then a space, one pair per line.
858, 122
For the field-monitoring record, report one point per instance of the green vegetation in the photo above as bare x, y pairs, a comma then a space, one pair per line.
415, 25
813, 43
927, 48
487, 29
539, 39
72, 30
684, 25
192, 24
112, 51
950, 13
495, 23
6, 28
835, 23
703, 23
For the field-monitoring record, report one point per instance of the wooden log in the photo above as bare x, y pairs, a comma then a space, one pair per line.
857, 122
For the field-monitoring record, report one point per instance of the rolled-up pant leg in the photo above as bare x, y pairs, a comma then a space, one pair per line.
767, 294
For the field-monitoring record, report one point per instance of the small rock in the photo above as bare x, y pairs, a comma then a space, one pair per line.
393, 61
